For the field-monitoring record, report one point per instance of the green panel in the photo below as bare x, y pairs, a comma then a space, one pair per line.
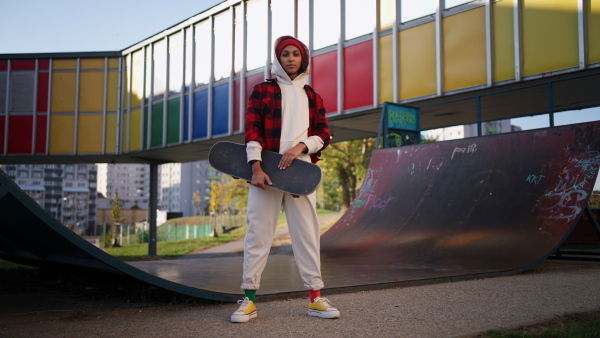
173, 120
156, 137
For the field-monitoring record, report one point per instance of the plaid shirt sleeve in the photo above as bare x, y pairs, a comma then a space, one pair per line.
318, 121
263, 116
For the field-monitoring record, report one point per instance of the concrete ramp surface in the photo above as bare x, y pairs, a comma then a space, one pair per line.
426, 213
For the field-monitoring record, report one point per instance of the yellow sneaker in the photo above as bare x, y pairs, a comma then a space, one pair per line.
322, 308
246, 311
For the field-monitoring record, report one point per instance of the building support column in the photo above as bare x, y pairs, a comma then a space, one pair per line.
153, 206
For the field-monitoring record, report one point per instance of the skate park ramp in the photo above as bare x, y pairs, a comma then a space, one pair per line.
427, 213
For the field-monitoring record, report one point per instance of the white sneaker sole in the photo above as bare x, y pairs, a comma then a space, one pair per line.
324, 314
243, 318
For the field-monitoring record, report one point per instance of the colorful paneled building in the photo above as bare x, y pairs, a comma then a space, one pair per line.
169, 97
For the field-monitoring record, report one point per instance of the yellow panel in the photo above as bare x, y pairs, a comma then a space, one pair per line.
549, 35
112, 91
125, 133
64, 64
417, 64
127, 82
134, 140
504, 46
89, 137
92, 64
385, 69
387, 11
464, 49
113, 63
91, 91
62, 129
111, 133
137, 78
63, 92
593, 31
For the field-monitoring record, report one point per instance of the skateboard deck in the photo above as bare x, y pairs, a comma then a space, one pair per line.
300, 178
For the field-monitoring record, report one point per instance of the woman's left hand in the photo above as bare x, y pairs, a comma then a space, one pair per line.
291, 154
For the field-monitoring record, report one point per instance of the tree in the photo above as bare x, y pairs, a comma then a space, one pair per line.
215, 197
345, 166
594, 201
116, 214
196, 201
235, 192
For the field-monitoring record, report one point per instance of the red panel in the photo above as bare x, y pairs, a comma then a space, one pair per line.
44, 64
40, 134
20, 134
42, 93
324, 79
251, 81
3, 65
236, 105
22, 65
358, 75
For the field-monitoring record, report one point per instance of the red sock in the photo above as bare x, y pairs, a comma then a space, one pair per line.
314, 294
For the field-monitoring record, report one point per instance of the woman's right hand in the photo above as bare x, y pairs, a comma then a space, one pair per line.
259, 177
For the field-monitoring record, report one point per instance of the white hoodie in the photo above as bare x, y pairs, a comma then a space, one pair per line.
294, 115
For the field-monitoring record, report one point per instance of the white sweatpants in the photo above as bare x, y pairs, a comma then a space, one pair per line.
263, 211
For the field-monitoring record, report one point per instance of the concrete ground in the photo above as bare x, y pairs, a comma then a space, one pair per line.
456, 309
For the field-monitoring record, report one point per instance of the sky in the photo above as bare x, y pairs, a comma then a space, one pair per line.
48, 26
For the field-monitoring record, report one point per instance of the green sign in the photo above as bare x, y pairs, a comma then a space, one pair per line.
399, 125
401, 117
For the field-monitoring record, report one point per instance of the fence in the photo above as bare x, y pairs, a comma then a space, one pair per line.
205, 226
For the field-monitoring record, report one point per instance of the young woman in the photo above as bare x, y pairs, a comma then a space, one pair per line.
284, 115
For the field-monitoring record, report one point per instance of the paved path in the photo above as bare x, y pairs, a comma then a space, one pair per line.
456, 309
237, 247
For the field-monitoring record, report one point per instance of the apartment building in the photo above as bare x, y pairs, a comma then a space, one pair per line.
66, 191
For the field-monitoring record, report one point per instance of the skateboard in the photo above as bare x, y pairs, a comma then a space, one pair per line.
300, 178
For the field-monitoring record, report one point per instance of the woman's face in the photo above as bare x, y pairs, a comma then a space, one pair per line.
291, 60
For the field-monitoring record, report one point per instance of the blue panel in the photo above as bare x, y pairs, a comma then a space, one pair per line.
200, 123
220, 122
186, 117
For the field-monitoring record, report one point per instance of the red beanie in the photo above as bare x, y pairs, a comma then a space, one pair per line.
286, 42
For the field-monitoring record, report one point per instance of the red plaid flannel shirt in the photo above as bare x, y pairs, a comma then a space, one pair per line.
263, 117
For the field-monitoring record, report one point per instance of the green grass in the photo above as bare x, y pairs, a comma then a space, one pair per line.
582, 325
174, 249
6, 265
582, 247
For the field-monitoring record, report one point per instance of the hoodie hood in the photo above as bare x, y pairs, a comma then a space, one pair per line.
278, 71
